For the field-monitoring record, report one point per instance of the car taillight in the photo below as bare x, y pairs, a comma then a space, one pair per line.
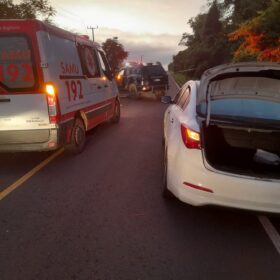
50, 91
190, 137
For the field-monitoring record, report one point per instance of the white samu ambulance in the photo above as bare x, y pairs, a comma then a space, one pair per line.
54, 86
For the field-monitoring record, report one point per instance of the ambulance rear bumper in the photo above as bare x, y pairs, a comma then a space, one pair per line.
29, 140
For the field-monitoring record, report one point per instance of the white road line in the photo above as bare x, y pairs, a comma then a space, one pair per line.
271, 231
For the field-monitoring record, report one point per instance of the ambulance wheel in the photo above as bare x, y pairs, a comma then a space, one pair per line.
78, 137
117, 112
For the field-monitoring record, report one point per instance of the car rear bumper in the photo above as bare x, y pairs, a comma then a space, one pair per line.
29, 140
153, 88
227, 189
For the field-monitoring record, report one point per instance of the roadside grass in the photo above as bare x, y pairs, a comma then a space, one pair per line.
180, 78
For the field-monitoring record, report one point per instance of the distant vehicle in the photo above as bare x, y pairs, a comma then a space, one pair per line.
222, 138
143, 78
54, 86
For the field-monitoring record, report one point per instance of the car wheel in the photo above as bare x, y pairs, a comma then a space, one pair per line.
78, 137
165, 192
133, 91
117, 112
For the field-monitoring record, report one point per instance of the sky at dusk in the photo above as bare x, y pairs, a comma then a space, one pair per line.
147, 28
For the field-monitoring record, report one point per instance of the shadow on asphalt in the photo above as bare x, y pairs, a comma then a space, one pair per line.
15, 165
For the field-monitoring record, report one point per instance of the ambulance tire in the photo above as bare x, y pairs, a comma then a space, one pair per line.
117, 112
78, 137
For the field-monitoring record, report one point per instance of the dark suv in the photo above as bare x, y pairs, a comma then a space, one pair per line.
141, 78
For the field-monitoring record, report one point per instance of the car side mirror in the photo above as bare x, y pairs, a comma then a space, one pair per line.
166, 99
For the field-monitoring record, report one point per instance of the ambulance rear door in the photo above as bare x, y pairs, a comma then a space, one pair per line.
22, 107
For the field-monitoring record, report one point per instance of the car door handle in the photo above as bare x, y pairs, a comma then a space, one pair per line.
99, 87
106, 86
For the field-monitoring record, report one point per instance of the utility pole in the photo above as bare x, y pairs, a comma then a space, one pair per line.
92, 30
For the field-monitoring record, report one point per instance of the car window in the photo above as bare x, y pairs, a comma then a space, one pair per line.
183, 98
127, 71
178, 95
89, 61
154, 70
187, 99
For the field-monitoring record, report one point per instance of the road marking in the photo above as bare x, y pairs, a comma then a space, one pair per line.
271, 231
28, 175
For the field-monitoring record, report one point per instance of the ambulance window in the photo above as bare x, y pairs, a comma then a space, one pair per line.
16, 63
89, 61
105, 65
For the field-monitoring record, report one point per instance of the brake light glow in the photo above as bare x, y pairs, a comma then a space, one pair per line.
50, 90
51, 93
51, 144
190, 138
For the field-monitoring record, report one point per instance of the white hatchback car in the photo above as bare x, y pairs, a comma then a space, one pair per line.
222, 138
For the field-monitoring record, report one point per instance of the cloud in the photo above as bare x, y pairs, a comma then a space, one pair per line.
150, 47
147, 28
153, 16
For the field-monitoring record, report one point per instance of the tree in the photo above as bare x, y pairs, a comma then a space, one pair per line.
243, 10
231, 30
27, 9
259, 38
207, 46
115, 53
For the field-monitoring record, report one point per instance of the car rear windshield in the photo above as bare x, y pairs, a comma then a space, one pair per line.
243, 108
16, 63
154, 70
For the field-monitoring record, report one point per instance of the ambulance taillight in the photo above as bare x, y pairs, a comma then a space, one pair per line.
52, 102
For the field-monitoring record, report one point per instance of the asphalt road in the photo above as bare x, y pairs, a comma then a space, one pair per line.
100, 215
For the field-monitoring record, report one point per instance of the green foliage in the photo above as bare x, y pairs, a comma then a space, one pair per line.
259, 37
26, 9
208, 45
180, 78
115, 53
212, 25
268, 23
243, 10
197, 25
